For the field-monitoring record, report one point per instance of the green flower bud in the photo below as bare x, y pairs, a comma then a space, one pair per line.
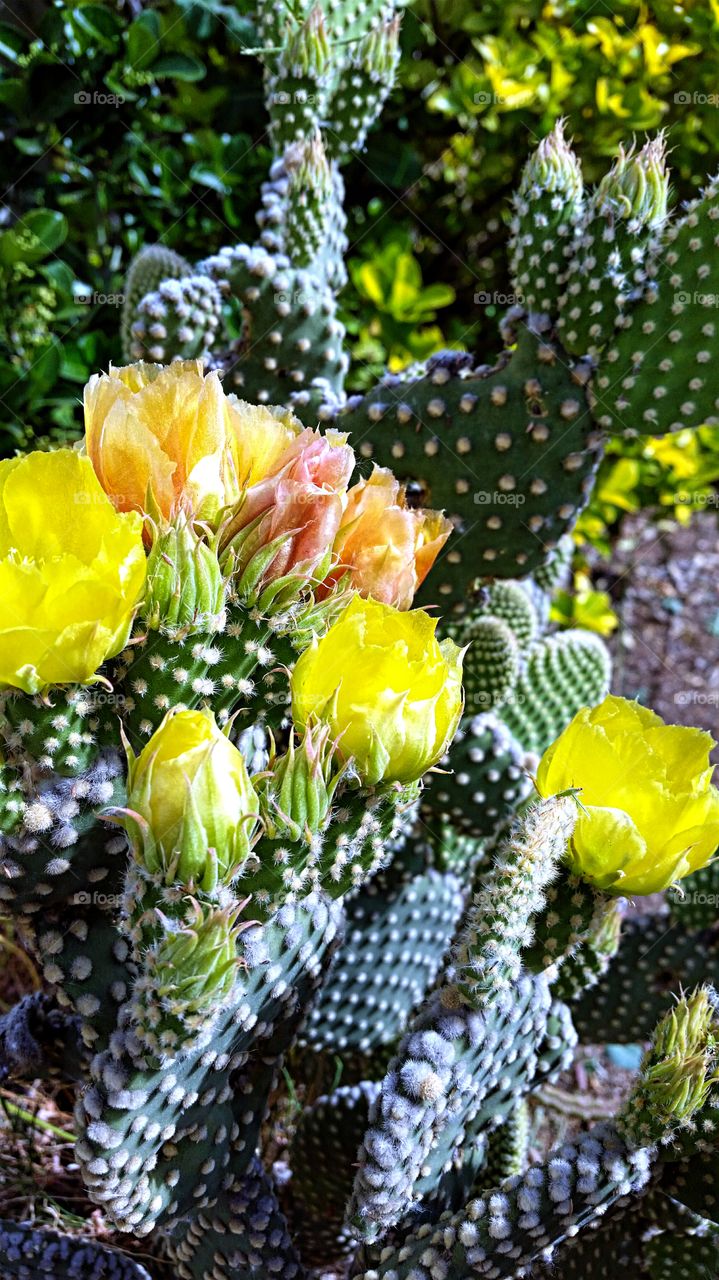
192, 968
553, 168
191, 806
308, 50
678, 1072
185, 586
637, 186
297, 798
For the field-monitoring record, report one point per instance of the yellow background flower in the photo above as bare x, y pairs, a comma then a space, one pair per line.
71, 571
648, 813
170, 438
386, 687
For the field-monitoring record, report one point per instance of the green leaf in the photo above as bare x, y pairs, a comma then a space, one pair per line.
180, 66
45, 369
12, 43
96, 25
207, 178
143, 40
33, 237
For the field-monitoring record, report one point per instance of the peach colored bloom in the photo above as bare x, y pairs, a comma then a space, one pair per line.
387, 548
168, 439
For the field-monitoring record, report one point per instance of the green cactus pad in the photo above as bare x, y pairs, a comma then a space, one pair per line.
32, 1254
290, 345
548, 211
478, 785
155, 1141
659, 372
504, 1231
245, 1236
509, 453
146, 273
564, 672
398, 931
656, 958
178, 321
456, 1071
322, 1158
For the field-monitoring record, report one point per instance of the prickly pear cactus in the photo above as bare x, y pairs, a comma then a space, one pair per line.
315, 921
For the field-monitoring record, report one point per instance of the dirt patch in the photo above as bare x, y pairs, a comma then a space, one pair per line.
664, 582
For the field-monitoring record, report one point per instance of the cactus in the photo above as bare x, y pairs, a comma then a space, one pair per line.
311, 853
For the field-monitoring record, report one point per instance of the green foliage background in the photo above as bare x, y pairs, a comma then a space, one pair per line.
124, 125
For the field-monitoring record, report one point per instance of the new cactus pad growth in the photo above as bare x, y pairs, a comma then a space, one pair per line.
325, 886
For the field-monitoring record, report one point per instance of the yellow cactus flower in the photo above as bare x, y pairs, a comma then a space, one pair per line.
390, 692
192, 793
71, 571
168, 439
648, 814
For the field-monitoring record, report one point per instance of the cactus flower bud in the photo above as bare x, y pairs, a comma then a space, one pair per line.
297, 797
554, 168
185, 586
678, 1071
191, 805
286, 524
389, 691
637, 186
192, 968
648, 813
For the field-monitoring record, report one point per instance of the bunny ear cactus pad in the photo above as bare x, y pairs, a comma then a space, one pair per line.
156, 1141
178, 320
658, 372
290, 346
398, 931
244, 1236
482, 781
322, 1158
509, 453
29, 1254
152, 265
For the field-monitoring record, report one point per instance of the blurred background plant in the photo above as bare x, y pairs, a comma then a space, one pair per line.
128, 124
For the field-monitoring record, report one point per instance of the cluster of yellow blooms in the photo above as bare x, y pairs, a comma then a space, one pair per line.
168, 444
